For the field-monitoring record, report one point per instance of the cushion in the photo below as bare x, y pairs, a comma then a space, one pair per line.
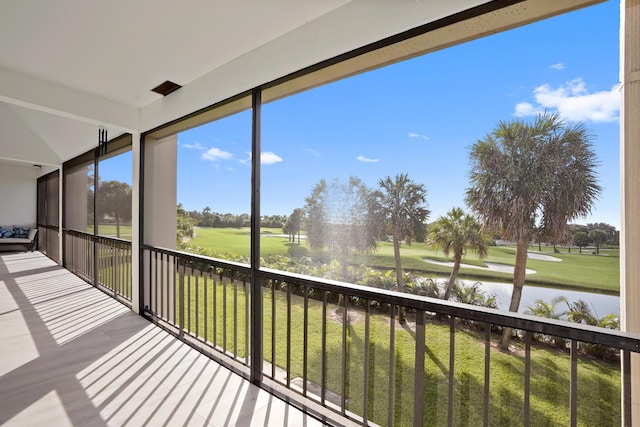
5, 233
20, 232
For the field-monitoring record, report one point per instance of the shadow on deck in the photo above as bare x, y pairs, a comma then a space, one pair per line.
71, 355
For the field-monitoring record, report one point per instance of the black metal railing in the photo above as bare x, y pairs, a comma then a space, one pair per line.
202, 300
104, 262
339, 351
48, 241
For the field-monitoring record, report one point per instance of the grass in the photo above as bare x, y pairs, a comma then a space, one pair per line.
110, 230
598, 382
596, 273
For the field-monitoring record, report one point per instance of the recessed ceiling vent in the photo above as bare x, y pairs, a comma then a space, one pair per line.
166, 88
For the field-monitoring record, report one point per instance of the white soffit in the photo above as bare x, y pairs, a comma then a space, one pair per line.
121, 49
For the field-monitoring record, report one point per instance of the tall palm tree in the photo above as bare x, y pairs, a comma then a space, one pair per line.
528, 174
402, 203
456, 232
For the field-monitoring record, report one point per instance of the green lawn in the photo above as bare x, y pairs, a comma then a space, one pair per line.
598, 382
111, 230
577, 271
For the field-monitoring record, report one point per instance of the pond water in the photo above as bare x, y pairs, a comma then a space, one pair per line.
600, 304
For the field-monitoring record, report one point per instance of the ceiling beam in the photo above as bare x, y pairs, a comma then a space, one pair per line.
41, 95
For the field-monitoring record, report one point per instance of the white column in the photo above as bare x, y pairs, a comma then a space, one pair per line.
135, 223
160, 217
630, 183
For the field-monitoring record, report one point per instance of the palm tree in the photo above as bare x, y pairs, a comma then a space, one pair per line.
456, 232
402, 203
528, 174
549, 310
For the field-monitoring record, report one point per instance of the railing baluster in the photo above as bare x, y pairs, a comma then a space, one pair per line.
157, 281
527, 377
247, 320
418, 388
573, 384
323, 351
235, 318
288, 335
223, 281
487, 373
215, 311
305, 334
392, 364
452, 359
343, 376
365, 385
197, 279
206, 306
181, 297
117, 273
160, 309
274, 283
174, 288
189, 330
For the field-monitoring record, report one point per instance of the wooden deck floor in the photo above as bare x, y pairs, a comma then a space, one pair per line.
72, 356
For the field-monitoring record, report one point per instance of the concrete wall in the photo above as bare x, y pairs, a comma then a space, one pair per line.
18, 192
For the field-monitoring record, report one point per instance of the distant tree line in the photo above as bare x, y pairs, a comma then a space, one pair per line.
208, 218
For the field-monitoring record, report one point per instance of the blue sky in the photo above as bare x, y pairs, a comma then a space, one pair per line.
418, 117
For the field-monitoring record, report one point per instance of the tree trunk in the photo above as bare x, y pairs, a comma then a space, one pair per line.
117, 225
519, 272
399, 281
452, 278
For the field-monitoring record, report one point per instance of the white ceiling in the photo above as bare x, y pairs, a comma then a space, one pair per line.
68, 67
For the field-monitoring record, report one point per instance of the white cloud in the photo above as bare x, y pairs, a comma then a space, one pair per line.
367, 160
313, 152
269, 158
558, 66
574, 102
216, 154
413, 135
194, 146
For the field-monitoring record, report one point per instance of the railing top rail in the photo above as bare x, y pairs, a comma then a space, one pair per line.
97, 236
578, 331
243, 268
575, 331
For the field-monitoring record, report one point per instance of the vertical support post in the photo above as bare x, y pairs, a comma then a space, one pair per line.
256, 281
61, 213
630, 188
137, 304
96, 180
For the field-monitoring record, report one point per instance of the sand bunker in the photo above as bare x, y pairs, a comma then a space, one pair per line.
542, 257
501, 268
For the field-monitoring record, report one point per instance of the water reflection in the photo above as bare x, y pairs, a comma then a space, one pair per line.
600, 304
